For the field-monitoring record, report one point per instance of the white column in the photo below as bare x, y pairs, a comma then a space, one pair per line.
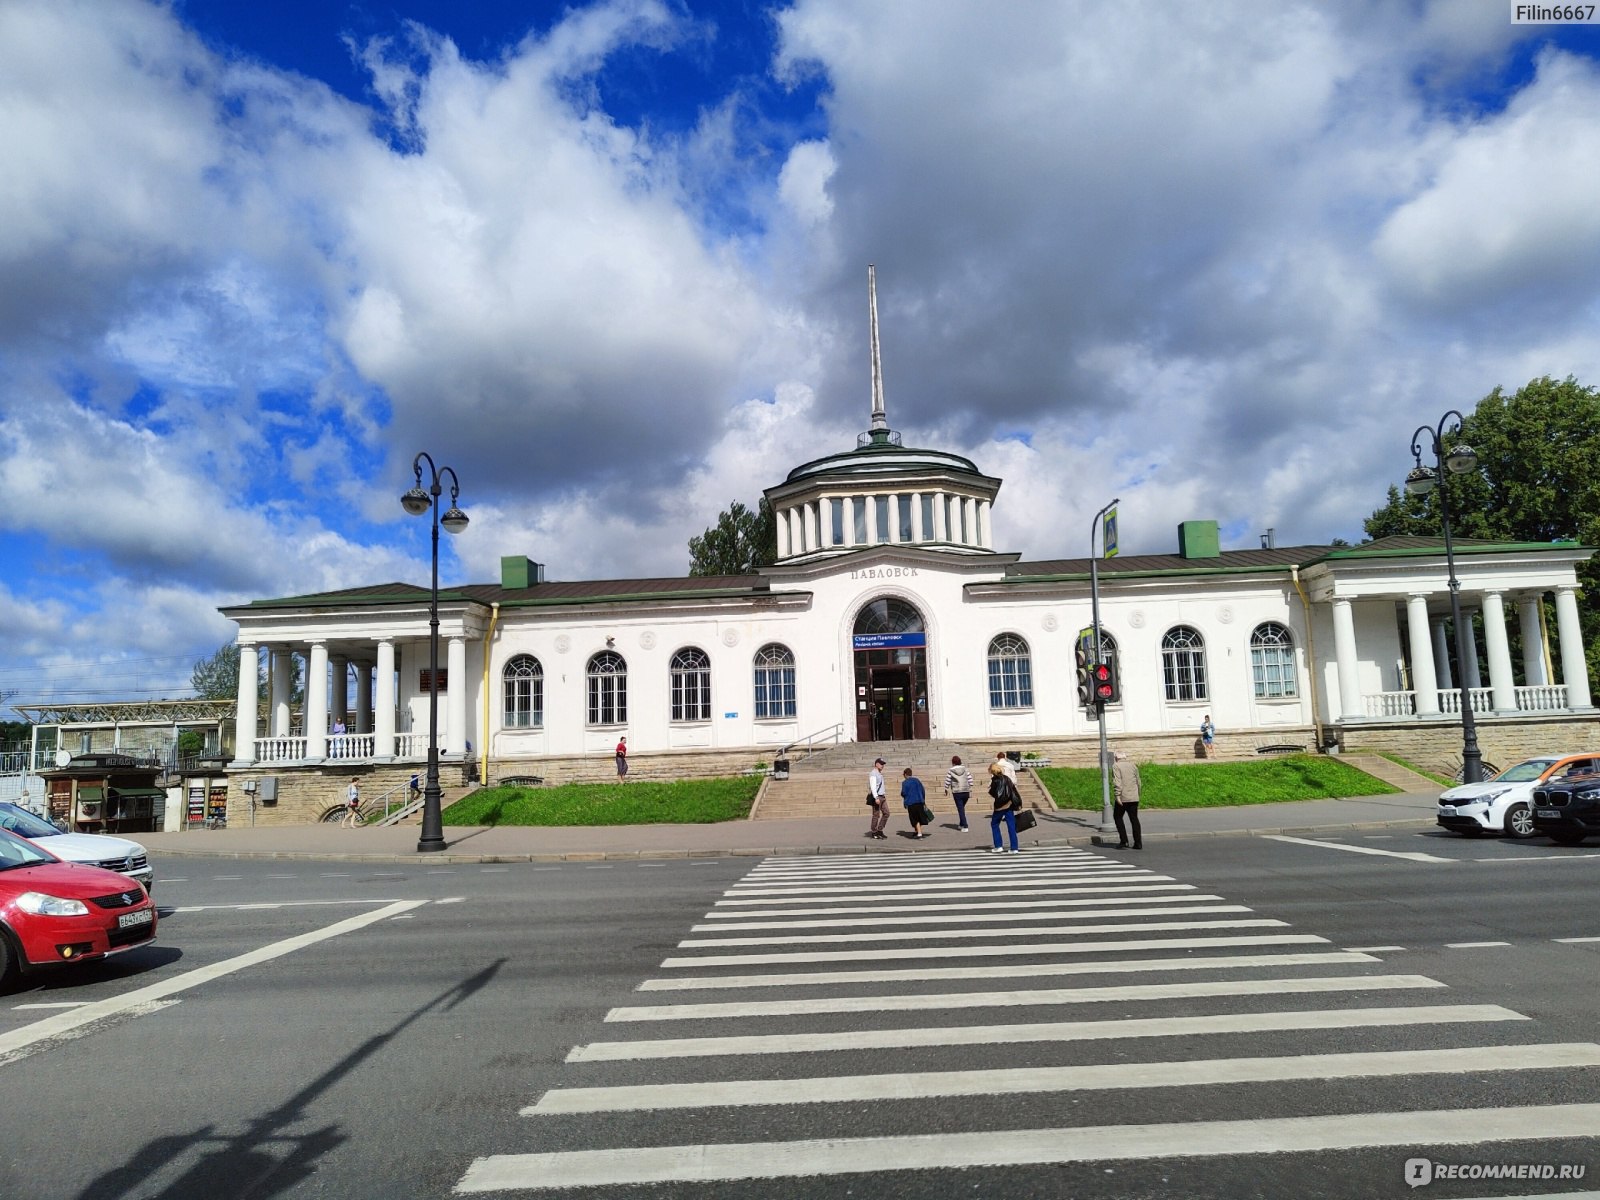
941, 506
814, 519
1423, 681
383, 703
1574, 668
985, 533
872, 520
317, 701
339, 688
244, 717
363, 721
848, 503
918, 534
1533, 648
1441, 655
1501, 683
455, 724
1470, 670
893, 532
1344, 653
783, 533
280, 682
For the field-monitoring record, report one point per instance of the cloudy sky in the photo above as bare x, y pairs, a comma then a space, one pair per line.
608, 261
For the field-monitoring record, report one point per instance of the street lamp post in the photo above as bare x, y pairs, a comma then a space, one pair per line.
1107, 825
417, 501
1420, 482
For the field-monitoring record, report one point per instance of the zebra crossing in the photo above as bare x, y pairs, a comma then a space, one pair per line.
817, 986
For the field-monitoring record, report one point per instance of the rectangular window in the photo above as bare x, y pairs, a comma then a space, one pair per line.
905, 517
774, 693
927, 518
881, 503
608, 699
859, 503
836, 507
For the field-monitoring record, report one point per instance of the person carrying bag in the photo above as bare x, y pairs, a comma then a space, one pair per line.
1006, 802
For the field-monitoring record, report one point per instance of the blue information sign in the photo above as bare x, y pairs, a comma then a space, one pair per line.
889, 641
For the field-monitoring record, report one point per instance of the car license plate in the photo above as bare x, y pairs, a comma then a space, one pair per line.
143, 917
1546, 812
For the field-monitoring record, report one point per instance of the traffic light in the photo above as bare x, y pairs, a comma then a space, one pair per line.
1105, 683
1085, 678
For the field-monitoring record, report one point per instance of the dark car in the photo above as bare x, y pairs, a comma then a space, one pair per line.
1567, 809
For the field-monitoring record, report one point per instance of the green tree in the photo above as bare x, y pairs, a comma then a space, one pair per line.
1538, 480
217, 677
738, 543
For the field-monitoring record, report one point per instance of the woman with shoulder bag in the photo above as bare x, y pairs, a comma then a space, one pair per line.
1006, 801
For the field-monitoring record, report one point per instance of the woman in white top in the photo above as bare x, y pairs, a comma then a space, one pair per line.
958, 786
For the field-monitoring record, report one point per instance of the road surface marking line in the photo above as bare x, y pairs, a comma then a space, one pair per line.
1186, 903
1043, 1031
451, 900
974, 866
996, 971
964, 879
838, 1089
1576, 939
1472, 945
1374, 949
21, 1041
58, 1004
194, 908
1410, 855
1028, 889
1105, 894
1452, 1128
1017, 950
1127, 994
964, 854
991, 932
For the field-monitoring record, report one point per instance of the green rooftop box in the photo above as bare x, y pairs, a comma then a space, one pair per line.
520, 571
1199, 539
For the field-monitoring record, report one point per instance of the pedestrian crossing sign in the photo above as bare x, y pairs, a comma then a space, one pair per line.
1109, 535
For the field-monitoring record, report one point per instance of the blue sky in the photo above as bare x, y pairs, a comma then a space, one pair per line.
608, 261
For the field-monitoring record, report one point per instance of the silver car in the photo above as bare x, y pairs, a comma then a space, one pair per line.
95, 849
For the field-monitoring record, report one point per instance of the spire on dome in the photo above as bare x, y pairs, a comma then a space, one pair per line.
879, 420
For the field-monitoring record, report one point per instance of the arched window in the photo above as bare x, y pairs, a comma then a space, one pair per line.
1010, 673
524, 692
691, 685
608, 689
774, 680
1272, 661
1183, 662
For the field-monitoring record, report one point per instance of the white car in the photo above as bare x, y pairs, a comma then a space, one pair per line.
95, 849
1504, 804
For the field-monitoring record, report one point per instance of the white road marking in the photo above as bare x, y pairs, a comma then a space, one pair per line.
600, 867
1008, 905
1472, 945
1576, 939
219, 878
194, 908
958, 918
1453, 1128
1008, 951
336, 875
1133, 883
20, 1042
1028, 1080
997, 971
451, 900
1410, 855
967, 880
1045, 1031
283, 877
1128, 994
888, 863
58, 1004
493, 870
547, 868
993, 933
405, 916
1374, 949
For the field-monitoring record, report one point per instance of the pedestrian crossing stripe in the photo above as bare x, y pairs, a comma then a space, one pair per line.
1099, 898
949, 891
1190, 903
991, 932
1041, 1031
1011, 949
843, 1089
1452, 1128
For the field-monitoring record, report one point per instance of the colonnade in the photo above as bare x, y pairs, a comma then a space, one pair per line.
884, 518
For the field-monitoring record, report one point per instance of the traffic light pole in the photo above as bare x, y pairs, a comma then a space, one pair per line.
1107, 826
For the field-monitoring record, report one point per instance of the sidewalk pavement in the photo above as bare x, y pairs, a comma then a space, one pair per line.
823, 835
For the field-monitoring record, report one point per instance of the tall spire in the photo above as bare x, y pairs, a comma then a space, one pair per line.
879, 420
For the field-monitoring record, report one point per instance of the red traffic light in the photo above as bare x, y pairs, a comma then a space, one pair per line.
1104, 686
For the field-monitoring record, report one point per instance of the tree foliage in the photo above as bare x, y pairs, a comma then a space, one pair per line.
1538, 479
217, 677
738, 543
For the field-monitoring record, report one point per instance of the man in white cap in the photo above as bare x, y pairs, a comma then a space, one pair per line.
878, 798
1125, 778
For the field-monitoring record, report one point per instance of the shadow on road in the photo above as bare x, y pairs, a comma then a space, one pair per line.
264, 1159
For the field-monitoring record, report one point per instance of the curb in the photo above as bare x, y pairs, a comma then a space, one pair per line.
607, 856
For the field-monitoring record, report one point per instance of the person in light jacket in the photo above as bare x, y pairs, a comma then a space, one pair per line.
1125, 778
878, 798
958, 786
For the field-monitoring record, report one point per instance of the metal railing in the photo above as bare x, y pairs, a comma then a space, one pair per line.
809, 743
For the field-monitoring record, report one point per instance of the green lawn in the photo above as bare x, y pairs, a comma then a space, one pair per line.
643, 802
1217, 785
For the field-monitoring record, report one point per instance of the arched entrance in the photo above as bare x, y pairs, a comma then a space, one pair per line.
890, 644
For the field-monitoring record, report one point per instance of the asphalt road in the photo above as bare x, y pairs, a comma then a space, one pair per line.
1290, 1017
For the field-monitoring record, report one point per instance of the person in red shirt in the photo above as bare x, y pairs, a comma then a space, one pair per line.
622, 760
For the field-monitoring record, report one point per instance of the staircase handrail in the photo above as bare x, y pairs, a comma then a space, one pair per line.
836, 730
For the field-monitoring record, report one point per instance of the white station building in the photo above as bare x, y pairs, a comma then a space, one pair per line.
890, 615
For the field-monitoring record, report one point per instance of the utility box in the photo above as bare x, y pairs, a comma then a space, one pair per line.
1199, 539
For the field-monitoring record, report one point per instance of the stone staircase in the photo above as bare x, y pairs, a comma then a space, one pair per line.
832, 782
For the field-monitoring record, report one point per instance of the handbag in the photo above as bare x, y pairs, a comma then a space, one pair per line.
927, 815
871, 803
1026, 820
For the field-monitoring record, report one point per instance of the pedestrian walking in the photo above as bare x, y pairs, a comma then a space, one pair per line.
958, 786
352, 805
915, 797
1006, 765
1125, 778
878, 801
1006, 802
622, 761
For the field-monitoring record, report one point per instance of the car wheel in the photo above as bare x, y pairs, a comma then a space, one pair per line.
8, 959
1519, 821
1567, 837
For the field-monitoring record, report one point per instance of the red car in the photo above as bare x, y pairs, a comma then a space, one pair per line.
53, 912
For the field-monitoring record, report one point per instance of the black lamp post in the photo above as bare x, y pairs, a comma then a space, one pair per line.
416, 502
1420, 482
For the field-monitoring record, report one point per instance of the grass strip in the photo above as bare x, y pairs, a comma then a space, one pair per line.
1222, 784
642, 802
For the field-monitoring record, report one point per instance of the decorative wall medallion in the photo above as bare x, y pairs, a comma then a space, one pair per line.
1136, 619
647, 640
563, 643
1225, 615
730, 637
1050, 623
